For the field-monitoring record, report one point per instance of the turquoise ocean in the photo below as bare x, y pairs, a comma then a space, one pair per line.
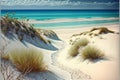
65, 18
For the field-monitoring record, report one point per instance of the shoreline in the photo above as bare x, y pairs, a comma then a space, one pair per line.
73, 27
66, 33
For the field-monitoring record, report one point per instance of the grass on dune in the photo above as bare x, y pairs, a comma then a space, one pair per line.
27, 60
91, 53
42, 38
102, 30
5, 56
81, 42
74, 49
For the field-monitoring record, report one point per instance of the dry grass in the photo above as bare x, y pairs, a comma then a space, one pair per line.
5, 56
8, 72
91, 53
27, 60
20, 37
41, 37
102, 30
74, 50
48, 33
80, 42
4, 30
22, 27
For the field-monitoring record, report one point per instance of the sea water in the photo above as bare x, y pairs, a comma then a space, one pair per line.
65, 18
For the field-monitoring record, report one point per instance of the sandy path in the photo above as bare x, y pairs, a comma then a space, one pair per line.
75, 74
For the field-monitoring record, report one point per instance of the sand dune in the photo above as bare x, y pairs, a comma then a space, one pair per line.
59, 65
101, 70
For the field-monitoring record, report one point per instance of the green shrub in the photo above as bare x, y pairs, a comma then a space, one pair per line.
27, 60
91, 53
74, 50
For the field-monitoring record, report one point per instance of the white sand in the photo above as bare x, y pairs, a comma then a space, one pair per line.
102, 70
73, 69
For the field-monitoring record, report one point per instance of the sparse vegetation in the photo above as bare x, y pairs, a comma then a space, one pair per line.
8, 72
41, 37
48, 33
91, 53
101, 30
74, 50
20, 37
4, 30
49, 41
5, 56
21, 29
27, 60
81, 42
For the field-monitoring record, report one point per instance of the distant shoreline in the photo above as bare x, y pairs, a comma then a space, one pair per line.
76, 27
66, 33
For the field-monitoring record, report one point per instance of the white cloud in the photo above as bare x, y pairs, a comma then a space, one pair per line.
57, 3
48, 2
38, 2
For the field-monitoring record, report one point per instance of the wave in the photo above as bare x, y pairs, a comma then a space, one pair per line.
61, 20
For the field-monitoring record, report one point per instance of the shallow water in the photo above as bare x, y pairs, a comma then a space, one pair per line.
66, 18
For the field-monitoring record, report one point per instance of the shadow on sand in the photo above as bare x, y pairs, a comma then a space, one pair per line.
43, 76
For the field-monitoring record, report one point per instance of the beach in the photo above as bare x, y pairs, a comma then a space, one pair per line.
102, 70
66, 33
62, 37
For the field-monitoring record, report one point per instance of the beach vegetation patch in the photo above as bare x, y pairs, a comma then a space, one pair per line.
42, 38
102, 30
95, 32
91, 53
27, 60
74, 49
4, 30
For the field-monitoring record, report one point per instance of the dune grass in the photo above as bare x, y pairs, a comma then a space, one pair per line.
80, 42
27, 60
102, 30
91, 53
74, 49
41, 37
5, 56
4, 30
91, 33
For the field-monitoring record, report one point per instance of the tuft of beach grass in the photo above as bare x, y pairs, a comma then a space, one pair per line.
27, 60
91, 53
74, 49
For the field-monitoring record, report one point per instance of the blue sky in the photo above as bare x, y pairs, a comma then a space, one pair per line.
60, 4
